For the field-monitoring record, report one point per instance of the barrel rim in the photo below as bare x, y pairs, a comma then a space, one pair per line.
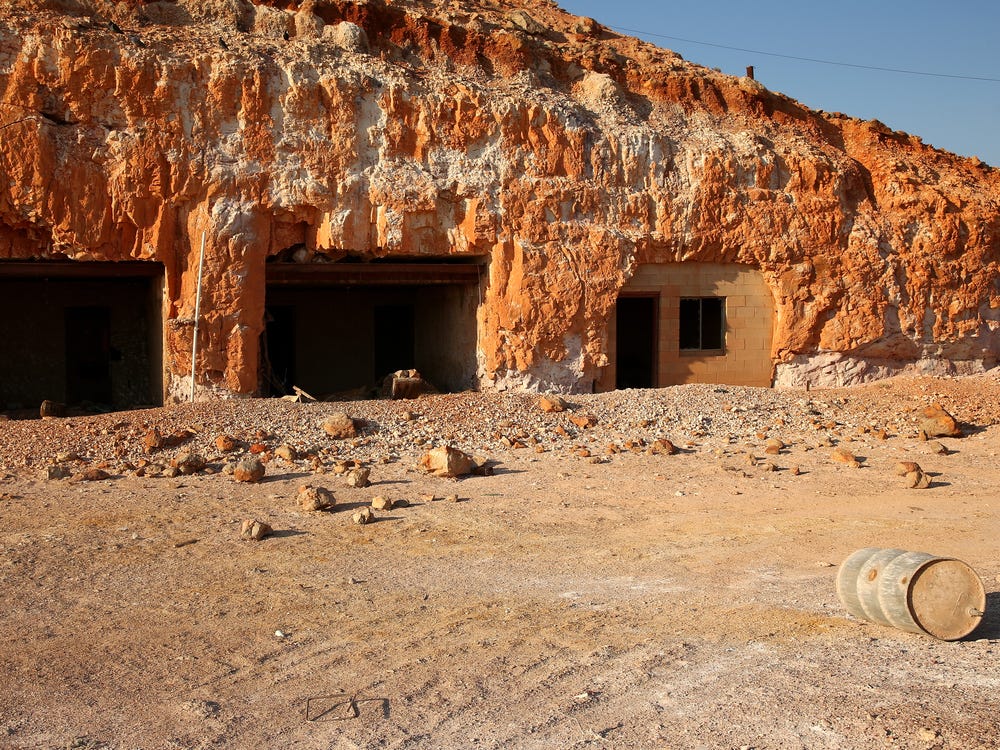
981, 598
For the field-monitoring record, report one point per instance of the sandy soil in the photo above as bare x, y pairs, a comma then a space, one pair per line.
642, 601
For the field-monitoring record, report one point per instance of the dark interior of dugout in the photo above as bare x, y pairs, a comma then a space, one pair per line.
337, 329
85, 334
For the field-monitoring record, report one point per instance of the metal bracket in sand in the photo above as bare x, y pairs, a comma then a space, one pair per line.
340, 707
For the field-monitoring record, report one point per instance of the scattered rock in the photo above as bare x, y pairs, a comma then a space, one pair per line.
152, 440
66, 456
447, 461
226, 443
363, 516
936, 422
917, 480
795, 470
451, 498
663, 447
844, 456
381, 503
188, 463
358, 477
552, 403
287, 452
773, 447
51, 409
769, 467
583, 421
405, 384
55, 472
255, 530
905, 467
312, 498
177, 437
92, 475
935, 447
339, 426
248, 470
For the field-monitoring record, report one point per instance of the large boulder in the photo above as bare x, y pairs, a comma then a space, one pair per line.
936, 422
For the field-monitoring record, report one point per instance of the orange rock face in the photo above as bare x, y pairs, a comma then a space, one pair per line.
557, 151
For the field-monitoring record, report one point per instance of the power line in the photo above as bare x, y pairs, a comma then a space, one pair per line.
809, 59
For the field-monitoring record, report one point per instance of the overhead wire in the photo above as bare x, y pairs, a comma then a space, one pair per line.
808, 59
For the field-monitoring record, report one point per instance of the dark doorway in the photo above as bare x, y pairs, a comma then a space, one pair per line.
352, 323
88, 355
394, 329
279, 350
95, 337
635, 342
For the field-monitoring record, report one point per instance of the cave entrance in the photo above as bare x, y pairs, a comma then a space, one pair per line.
87, 334
337, 329
636, 341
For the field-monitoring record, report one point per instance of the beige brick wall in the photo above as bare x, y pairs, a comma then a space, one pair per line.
749, 319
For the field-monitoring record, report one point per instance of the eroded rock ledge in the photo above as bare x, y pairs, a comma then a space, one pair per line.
561, 153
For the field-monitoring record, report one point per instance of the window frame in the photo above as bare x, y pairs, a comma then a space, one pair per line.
701, 350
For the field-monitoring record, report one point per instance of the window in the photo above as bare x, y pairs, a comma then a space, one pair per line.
702, 323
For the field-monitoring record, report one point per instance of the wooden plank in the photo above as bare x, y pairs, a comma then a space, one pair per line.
54, 269
372, 274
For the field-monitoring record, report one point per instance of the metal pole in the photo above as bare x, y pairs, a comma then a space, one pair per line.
197, 315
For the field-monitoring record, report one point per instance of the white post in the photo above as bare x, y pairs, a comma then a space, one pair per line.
197, 315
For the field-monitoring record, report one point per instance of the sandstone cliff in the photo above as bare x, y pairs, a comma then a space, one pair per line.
563, 153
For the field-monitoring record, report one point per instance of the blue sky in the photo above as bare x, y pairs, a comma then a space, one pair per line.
960, 38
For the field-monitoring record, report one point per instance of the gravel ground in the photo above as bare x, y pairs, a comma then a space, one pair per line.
586, 594
490, 422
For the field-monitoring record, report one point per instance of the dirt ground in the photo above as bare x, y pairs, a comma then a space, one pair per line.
618, 600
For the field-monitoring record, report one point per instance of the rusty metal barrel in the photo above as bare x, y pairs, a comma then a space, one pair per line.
913, 591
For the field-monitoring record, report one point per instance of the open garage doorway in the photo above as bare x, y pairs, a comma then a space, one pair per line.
636, 341
337, 329
85, 334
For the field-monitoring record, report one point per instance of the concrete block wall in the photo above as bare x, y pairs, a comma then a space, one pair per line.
748, 321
